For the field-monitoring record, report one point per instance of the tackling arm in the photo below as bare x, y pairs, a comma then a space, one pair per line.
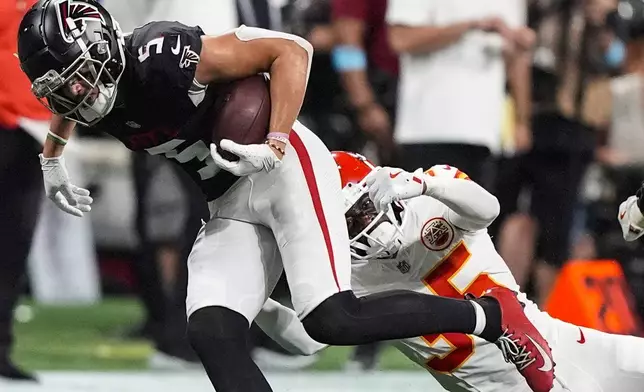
471, 206
282, 325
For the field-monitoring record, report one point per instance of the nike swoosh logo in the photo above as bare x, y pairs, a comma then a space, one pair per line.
177, 47
547, 362
394, 175
622, 215
582, 339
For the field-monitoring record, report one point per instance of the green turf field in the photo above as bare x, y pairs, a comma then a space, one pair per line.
83, 338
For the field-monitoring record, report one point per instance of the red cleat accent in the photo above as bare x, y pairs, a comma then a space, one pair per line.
521, 342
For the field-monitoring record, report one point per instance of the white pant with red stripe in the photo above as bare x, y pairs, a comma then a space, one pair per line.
290, 218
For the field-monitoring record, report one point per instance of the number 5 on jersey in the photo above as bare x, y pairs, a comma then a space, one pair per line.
440, 281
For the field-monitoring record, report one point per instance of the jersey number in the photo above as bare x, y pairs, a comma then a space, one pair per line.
144, 51
197, 150
439, 281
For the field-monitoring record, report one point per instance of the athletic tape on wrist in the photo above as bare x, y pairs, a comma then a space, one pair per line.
56, 139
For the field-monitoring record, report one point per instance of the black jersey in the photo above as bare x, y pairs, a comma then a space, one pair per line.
160, 109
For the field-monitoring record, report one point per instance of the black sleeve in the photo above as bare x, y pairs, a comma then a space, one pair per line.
168, 53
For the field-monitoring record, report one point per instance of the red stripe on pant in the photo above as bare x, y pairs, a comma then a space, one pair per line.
309, 175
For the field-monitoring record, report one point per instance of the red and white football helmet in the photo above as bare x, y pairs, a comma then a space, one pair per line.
372, 234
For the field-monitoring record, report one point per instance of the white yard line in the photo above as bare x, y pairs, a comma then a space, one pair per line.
197, 382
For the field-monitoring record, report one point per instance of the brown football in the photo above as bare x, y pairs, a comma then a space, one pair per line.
244, 113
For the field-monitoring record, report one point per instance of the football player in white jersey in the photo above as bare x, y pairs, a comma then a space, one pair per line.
427, 232
630, 216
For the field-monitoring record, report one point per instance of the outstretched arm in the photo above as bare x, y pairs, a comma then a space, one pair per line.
68, 197
470, 206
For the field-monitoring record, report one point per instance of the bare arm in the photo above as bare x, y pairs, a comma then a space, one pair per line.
62, 128
250, 51
350, 32
518, 64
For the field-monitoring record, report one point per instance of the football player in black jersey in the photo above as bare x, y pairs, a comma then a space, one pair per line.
279, 206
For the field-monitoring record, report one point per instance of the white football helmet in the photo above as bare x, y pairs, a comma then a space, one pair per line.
372, 235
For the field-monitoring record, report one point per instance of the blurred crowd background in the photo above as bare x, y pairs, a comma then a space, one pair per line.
540, 101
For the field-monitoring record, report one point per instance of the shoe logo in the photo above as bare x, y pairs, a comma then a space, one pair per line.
394, 175
547, 362
622, 215
177, 47
582, 338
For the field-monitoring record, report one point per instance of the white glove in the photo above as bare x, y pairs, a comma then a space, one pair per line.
253, 158
68, 197
631, 219
390, 184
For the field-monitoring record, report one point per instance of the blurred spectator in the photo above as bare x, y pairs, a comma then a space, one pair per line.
574, 55
453, 58
168, 216
368, 68
368, 71
20, 177
324, 110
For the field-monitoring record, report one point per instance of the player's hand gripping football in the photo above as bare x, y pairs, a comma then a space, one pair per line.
253, 158
68, 197
390, 184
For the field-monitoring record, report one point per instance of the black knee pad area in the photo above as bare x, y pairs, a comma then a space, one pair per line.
213, 324
334, 321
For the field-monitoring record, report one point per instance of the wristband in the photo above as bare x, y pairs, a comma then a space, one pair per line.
348, 58
279, 136
56, 139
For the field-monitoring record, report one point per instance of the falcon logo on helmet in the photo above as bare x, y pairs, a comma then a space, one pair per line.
72, 17
72, 52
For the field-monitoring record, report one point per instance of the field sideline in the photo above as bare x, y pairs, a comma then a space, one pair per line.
197, 382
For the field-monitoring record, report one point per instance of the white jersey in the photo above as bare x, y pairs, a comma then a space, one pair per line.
439, 258
445, 254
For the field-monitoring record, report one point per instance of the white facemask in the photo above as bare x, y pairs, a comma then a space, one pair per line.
101, 106
385, 235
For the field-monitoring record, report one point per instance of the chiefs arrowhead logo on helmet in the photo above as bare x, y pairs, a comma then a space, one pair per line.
73, 15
